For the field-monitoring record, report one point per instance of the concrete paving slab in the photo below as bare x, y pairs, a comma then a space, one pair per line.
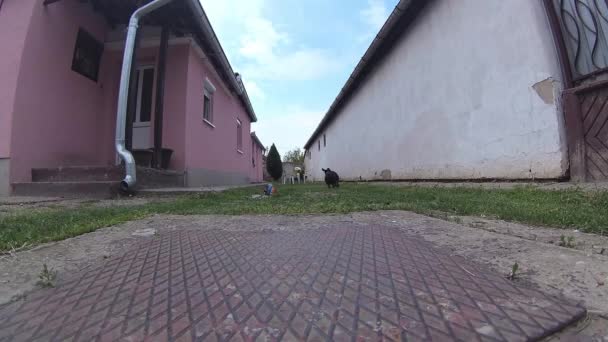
344, 283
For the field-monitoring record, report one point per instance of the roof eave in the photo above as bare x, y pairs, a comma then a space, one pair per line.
207, 29
257, 140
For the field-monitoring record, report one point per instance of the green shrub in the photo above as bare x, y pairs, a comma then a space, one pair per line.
274, 165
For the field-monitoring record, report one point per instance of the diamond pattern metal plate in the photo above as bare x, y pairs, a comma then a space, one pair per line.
351, 283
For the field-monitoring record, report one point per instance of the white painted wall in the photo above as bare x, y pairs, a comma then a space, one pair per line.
455, 99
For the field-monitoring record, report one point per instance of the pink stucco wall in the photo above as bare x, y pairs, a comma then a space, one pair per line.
174, 116
55, 109
256, 172
174, 106
61, 118
215, 148
15, 18
51, 116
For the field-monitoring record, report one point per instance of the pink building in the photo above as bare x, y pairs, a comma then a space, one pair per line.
59, 81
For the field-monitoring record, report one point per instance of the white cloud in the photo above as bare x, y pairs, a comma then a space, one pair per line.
375, 14
261, 52
225, 13
265, 52
227, 18
261, 39
254, 90
300, 65
290, 130
269, 55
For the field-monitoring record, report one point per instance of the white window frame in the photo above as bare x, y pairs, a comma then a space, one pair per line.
140, 82
239, 136
208, 92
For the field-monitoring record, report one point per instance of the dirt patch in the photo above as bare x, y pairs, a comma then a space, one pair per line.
548, 185
592, 328
588, 243
573, 273
19, 271
578, 273
17, 207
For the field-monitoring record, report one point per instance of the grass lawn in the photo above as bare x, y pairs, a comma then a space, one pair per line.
587, 211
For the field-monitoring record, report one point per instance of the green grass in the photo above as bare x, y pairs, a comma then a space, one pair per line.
587, 211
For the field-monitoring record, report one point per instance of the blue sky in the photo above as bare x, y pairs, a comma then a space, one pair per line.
294, 56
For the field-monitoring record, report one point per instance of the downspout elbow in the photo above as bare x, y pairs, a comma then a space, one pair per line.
130, 169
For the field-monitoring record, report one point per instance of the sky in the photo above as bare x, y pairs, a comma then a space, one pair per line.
294, 56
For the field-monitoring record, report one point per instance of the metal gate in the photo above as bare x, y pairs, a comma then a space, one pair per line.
580, 29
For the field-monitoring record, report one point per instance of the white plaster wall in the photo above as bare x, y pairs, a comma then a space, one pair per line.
455, 100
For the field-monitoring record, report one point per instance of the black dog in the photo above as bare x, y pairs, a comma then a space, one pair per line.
331, 178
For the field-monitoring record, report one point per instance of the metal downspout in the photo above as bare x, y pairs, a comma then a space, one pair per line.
121, 113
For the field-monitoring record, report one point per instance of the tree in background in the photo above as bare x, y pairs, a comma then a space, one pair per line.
274, 165
295, 156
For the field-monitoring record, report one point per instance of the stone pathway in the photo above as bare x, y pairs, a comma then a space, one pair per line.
342, 283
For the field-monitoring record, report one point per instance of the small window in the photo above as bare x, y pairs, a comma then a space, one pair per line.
252, 153
87, 55
239, 135
319, 144
208, 106
309, 154
208, 102
146, 95
324, 141
144, 86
